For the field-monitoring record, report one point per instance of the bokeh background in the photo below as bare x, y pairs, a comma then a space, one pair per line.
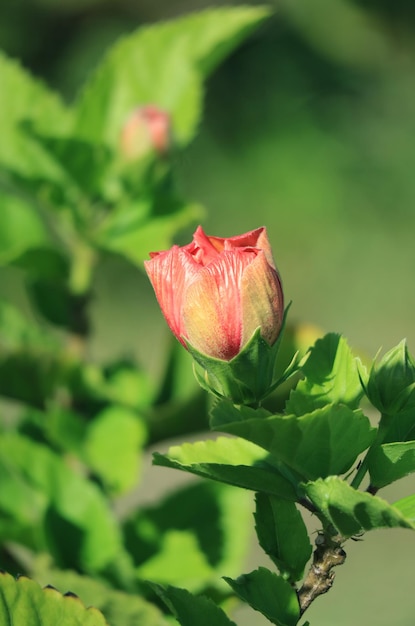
309, 130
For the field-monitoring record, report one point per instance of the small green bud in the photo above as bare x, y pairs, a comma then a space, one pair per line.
391, 384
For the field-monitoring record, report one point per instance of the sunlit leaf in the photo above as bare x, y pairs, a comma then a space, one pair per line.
323, 442
331, 376
230, 460
407, 507
118, 607
28, 102
20, 228
24, 602
112, 447
391, 462
147, 235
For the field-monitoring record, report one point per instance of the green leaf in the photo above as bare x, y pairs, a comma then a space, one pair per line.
198, 522
28, 102
269, 594
20, 228
282, 534
39, 492
352, 511
112, 447
331, 377
233, 461
18, 332
29, 358
162, 64
407, 507
146, 235
189, 609
390, 462
24, 602
118, 607
326, 441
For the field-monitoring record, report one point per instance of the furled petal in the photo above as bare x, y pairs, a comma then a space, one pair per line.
212, 305
202, 248
261, 300
170, 273
257, 239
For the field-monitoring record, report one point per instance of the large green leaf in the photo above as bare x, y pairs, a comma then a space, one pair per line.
229, 460
24, 602
118, 607
42, 500
282, 534
189, 609
269, 594
162, 64
323, 442
331, 376
391, 462
191, 536
352, 511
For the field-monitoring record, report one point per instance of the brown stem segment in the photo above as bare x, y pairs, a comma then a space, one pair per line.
328, 554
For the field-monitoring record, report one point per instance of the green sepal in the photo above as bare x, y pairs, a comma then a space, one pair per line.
247, 378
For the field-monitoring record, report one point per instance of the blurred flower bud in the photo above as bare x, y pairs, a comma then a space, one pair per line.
148, 129
221, 297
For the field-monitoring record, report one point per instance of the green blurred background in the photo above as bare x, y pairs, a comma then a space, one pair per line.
309, 130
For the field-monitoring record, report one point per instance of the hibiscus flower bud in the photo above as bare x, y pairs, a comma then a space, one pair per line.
147, 129
217, 294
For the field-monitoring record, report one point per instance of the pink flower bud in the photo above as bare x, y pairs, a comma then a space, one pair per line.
215, 292
147, 128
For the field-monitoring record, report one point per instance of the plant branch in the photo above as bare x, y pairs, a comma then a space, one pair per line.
328, 554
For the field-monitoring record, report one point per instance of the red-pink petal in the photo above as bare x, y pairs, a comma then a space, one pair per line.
262, 301
212, 306
170, 273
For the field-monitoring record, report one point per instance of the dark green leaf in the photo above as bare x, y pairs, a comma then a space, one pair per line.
269, 594
326, 441
352, 511
233, 461
391, 462
190, 610
24, 602
282, 534
331, 377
